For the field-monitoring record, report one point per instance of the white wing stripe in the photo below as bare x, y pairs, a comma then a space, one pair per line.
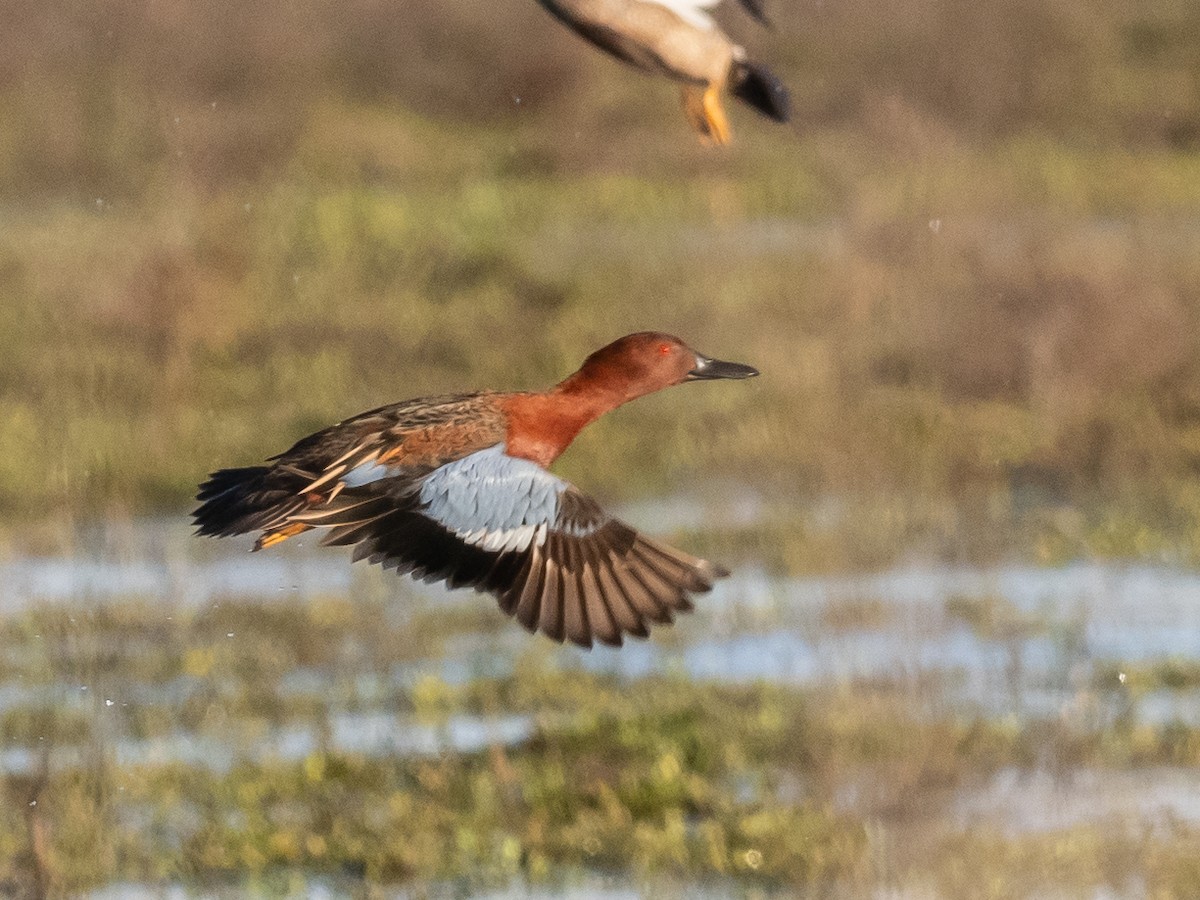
691, 11
518, 538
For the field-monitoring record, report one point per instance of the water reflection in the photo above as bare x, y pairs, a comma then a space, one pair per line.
1038, 801
369, 734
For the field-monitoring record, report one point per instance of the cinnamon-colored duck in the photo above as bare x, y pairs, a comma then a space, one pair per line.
455, 489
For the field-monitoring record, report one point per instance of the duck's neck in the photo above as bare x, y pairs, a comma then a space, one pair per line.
541, 426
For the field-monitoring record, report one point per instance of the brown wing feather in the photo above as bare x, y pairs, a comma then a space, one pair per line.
529, 603
550, 622
414, 437
626, 617
302, 484
603, 625
605, 582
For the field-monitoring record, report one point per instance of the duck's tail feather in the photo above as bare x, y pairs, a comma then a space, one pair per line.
756, 8
236, 501
755, 85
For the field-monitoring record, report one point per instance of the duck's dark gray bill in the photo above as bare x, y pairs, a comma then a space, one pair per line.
718, 368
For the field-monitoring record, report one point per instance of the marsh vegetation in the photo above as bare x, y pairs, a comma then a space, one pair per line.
207, 724
959, 655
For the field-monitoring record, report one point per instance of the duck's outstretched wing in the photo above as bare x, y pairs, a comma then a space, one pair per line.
551, 556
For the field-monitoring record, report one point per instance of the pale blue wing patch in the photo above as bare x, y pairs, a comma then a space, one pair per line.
493, 501
368, 472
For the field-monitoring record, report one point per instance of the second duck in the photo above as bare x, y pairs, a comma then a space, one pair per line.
679, 39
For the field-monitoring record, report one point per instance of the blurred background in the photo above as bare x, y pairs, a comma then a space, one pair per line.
960, 654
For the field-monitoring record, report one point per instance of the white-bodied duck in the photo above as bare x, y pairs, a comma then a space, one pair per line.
679, 39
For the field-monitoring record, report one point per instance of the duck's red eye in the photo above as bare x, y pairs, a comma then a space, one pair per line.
664, 349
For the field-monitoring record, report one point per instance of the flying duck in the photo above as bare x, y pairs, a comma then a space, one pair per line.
456, 489
679, 39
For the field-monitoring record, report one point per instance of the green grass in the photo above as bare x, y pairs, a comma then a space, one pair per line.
949, 277
828, 788
143, 348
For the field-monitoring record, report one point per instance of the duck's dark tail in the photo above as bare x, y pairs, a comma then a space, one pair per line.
755, 86
755, 8
235, 501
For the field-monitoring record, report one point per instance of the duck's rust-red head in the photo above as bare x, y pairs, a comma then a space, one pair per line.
541, 425
641, 363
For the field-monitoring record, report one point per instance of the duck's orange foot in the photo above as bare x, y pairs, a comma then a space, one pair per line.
706, 114
279, 535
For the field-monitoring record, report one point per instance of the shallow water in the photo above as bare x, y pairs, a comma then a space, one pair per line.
1037, 801
1012, 642
367, 734
1062, 623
